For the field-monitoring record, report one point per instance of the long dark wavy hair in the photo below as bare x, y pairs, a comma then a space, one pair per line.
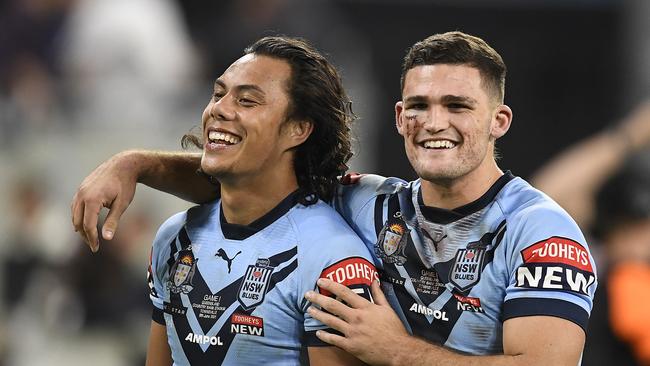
316, 95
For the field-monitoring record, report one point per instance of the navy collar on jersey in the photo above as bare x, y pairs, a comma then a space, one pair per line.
241, 232
444, 216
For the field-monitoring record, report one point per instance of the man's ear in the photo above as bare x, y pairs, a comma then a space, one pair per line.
501, 121
298, 132
399, 122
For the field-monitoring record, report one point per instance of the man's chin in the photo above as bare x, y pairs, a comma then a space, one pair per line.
215, 172
438, 175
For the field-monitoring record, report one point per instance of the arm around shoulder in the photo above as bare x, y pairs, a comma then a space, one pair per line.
112, 185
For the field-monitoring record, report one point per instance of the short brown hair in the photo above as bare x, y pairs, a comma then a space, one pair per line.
458, 48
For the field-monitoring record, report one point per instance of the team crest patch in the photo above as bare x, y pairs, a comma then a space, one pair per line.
392, 240
183, 272
255, 284
466, 269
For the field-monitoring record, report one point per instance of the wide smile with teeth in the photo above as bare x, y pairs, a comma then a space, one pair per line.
438, 144
223, 138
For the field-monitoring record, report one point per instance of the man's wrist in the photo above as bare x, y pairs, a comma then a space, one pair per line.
406, 350
135, 163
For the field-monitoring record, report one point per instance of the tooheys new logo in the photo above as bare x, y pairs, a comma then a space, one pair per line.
355, 273
556, 263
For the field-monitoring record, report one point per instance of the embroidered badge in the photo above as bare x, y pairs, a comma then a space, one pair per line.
392, 240
255, 284
467, 267
183, 271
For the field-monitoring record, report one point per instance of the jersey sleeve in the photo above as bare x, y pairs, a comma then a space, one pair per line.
551, 271
359, 202
158, 269
342, 257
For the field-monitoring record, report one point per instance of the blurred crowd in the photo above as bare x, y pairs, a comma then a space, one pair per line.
83, 79
79, 81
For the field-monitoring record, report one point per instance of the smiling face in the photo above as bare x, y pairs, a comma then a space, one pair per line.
449, 122
242, 122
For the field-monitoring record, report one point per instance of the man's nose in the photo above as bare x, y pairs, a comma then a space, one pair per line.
437, 119
223, 109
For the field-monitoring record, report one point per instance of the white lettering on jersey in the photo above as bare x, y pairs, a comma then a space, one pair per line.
554, 278
203, 339
425, 310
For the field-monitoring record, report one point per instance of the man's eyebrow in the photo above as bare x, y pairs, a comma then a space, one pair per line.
239, 88
459, 99
416, 99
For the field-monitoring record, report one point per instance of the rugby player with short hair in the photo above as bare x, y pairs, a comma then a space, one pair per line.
472, 258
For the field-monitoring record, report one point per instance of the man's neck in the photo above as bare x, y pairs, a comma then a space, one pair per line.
245, 200
460, 191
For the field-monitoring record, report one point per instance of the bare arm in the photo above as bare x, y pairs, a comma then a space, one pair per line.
158, 351
331, 356
574, 176
531, 341
112, 185
374, 333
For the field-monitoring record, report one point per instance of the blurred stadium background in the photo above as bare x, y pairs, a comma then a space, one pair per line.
83, 79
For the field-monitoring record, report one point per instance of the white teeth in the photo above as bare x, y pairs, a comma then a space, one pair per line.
215, 136
439, 144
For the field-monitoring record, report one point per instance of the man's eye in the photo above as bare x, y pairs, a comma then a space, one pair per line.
457, 106
217, 96
419, 106
247, 102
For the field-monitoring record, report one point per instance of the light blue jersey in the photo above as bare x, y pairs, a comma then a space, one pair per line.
233, 295
454, 276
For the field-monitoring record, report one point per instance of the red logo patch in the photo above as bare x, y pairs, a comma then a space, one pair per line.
350, 272
247, 324
474, 301
247, 320
558, 250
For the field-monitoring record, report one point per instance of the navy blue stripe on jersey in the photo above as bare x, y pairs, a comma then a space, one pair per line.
282, 257
183, 238
173, 249
379, 213
444, 216
228, 295
157, 316
283, 273
241, 232
213, 355
489, 238
438, 329
552, 307
310, 339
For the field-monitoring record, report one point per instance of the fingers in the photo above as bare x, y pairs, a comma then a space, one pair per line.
328, 319
333, 306
342, 292
78, 219
333, 339
77, 214
90, 215
377, 294
113, 218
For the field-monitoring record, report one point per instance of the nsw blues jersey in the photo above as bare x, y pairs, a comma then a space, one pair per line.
232, 294
454, 276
